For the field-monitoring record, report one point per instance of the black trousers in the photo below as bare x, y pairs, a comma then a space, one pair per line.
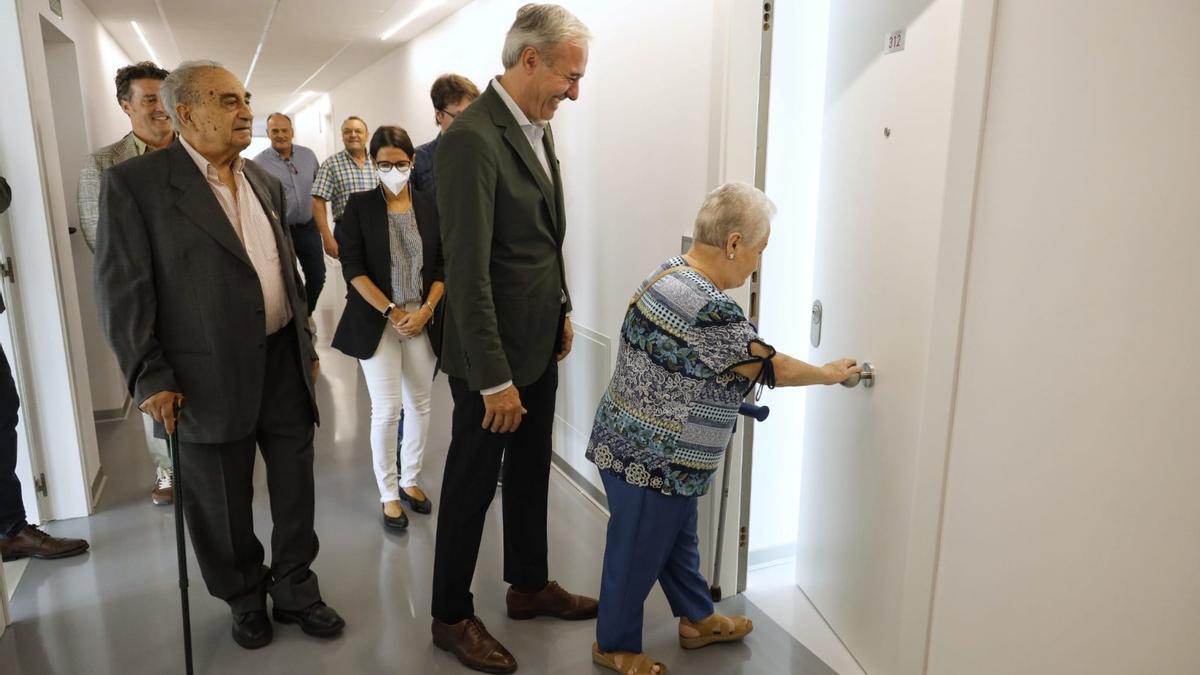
218, 492
12, 509
469, 485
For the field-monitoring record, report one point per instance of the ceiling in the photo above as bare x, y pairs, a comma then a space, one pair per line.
306, 45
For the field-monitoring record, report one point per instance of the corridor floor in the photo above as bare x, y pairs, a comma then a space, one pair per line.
116, 609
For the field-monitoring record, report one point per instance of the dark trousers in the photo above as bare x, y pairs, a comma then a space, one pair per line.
651, 537
310, 251
469, 485
218, 491
12, 509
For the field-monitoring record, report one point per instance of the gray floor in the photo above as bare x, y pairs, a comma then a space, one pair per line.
116, 609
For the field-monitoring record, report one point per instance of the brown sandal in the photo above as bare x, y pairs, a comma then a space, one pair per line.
639, 665
717, 628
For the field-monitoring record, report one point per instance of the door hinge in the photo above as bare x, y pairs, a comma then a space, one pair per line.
39, 484
6, 270
743, 537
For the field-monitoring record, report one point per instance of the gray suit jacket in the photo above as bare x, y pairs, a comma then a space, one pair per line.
503, 224
179, 299
89, 182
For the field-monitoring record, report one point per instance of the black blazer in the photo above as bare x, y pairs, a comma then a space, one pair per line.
179, 298
503, 224
363, 249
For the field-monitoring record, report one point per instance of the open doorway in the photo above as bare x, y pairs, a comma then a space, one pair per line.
796, 91
94, 361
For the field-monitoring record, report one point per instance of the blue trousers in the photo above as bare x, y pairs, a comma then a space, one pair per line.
651, 537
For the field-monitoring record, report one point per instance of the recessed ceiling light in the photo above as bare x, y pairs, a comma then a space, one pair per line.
298, 102
261, 41
145, 43
421, 9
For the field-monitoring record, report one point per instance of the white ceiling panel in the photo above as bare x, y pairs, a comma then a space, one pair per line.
309, 45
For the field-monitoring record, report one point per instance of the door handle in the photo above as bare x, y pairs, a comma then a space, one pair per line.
867, 377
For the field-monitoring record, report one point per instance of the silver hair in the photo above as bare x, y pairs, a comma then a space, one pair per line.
543, 27
733, 207
180, 87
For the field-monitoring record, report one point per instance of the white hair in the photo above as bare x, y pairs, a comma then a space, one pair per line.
733, 207
180, 87
543, 27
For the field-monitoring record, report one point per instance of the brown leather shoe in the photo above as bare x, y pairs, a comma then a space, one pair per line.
473, 645
33, 543
553, 600
164, 488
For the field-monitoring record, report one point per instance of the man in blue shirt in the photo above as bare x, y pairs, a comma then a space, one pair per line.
296, 167
451, 94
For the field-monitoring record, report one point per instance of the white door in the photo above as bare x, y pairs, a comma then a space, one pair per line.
882, 227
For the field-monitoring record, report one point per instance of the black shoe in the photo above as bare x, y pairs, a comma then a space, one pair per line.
318, 619
252, 630
424, 507
400, 522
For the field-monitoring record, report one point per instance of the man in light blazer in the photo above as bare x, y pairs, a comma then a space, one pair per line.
138, 95
500, 198
200, 297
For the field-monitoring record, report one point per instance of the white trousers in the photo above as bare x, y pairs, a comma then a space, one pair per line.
399, 376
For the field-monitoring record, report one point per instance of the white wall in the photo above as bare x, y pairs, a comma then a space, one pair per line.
1070, 536
644, 143
98, 58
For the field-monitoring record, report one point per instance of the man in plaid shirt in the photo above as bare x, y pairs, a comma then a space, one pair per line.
340, 176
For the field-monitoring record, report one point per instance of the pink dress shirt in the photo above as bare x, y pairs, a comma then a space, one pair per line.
250, 222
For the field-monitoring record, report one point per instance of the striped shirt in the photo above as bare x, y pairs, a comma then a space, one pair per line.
339, 177
404, 242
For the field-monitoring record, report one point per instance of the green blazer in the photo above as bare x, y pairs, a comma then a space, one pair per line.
502, 223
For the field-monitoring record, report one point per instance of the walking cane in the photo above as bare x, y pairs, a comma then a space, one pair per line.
758, 412
181, 544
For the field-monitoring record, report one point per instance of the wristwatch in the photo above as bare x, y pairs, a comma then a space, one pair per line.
387, 313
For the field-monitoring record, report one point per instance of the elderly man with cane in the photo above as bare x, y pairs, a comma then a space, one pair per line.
200, 297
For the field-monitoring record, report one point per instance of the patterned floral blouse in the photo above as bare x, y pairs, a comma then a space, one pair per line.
670, 408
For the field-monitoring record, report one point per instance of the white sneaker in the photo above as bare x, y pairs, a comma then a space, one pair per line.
164, 488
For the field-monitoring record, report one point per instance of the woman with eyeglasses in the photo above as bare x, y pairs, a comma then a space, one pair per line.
391, 257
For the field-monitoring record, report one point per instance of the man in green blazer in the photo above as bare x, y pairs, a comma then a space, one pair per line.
506, 326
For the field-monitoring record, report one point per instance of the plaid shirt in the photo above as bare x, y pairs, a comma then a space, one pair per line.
339, 177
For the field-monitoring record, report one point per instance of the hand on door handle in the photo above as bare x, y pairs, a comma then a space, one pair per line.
867, 377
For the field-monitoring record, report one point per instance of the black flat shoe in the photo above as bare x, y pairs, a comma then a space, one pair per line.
398, 523
252, 630
318, 619
424, 507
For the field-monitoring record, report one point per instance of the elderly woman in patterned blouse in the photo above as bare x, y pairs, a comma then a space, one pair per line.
688, 357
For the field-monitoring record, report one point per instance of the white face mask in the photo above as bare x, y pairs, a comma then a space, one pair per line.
394, 179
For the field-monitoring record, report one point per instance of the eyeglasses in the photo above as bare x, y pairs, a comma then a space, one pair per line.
388, 166
292, 167
447, 112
